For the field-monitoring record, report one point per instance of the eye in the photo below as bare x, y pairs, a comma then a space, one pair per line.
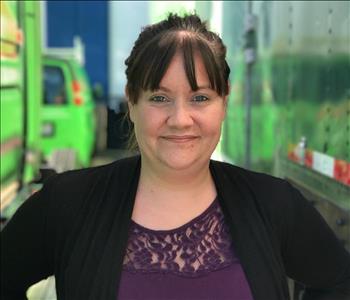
158, 98
200, 98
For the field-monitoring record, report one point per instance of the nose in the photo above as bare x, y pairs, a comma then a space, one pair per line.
180, 115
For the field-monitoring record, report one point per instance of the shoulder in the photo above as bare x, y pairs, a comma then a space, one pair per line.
112, 169
73, 195
275, 198
68, 192
78, 179
254, 181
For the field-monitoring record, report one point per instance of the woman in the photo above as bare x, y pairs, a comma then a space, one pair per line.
171, 223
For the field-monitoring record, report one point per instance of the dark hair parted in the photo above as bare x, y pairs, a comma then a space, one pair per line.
158, 43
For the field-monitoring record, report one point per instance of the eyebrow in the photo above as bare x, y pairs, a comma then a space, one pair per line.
202, 87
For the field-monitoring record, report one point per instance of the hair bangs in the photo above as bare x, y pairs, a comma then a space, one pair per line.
212, 67
150, 65
188, 60
190, 45
159, 56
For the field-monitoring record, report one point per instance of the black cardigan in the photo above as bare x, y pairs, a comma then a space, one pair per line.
76, 227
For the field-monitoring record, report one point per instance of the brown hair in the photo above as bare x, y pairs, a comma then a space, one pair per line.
158, 43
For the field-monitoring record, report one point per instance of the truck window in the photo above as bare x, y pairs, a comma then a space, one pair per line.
54, 86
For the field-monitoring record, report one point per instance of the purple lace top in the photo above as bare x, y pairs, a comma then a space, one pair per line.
194, 261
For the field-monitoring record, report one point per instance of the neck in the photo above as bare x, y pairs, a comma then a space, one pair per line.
180, 185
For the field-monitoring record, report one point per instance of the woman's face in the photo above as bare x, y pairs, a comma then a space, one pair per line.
176, 127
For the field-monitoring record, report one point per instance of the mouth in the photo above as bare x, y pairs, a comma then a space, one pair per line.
180, 138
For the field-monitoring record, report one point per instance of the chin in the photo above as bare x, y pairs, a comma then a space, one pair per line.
176, 162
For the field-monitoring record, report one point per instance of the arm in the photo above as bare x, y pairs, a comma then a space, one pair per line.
24, 258
312, 253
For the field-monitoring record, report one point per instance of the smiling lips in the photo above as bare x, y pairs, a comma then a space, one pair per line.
180, 138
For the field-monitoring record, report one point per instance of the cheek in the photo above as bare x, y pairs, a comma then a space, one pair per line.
213, 121
148, 123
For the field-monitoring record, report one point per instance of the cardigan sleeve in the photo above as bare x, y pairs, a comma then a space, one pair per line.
312, 253
24, 259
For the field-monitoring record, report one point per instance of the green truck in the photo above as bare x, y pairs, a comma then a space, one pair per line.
20, 96
68, 114
299, 122
47, 108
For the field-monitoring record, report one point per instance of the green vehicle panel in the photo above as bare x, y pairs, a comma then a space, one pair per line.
300, 127
20, 96
300, 83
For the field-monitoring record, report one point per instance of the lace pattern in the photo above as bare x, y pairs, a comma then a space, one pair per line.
200, 246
